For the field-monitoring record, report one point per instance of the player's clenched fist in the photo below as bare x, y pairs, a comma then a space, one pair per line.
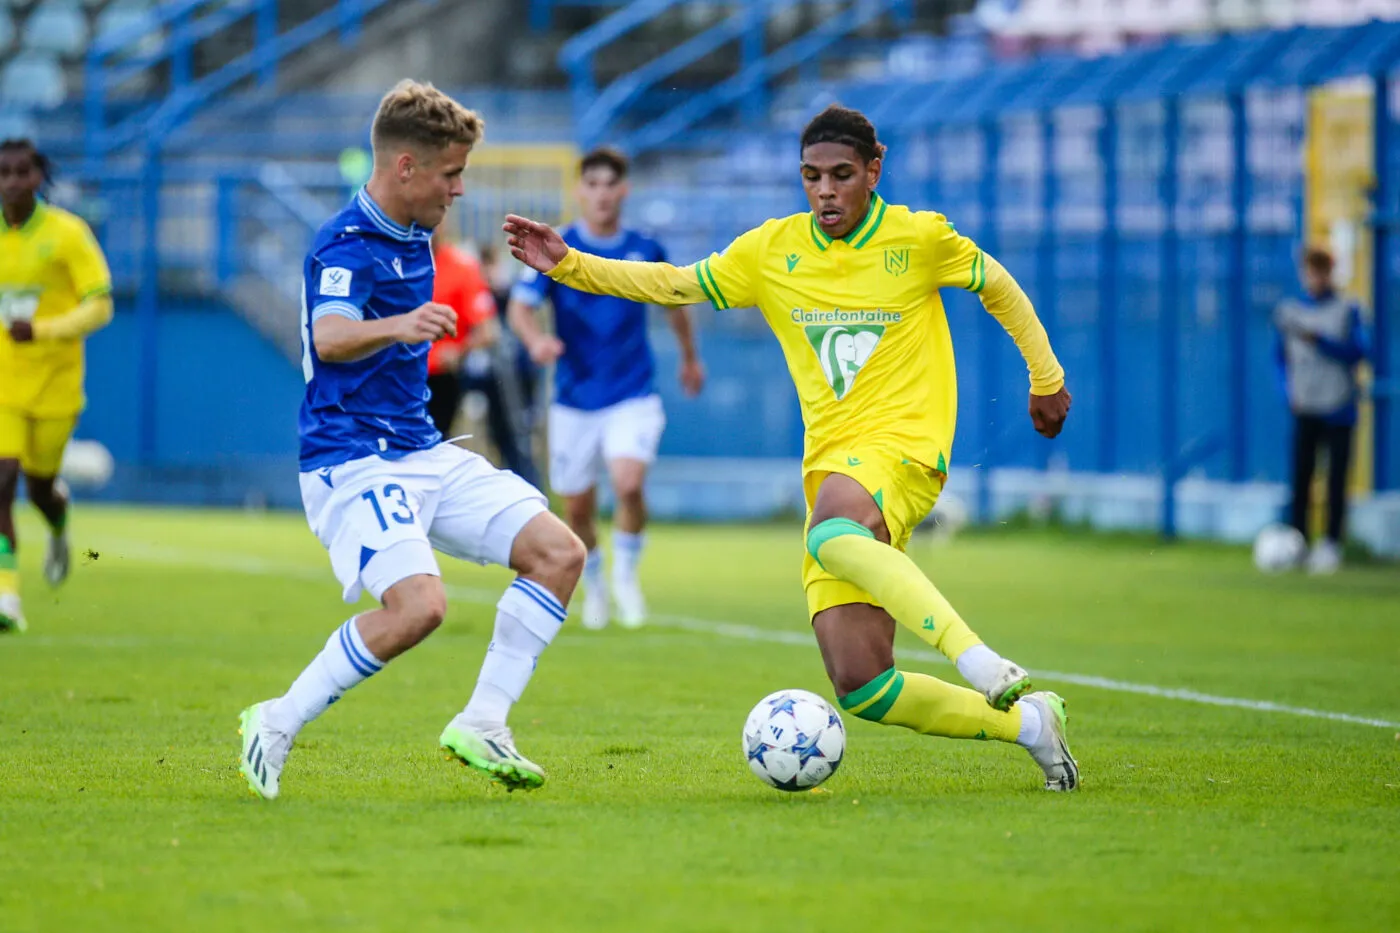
1048, 412
427, 323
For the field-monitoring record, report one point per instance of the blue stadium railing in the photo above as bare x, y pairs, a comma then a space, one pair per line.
165, 41
599, 112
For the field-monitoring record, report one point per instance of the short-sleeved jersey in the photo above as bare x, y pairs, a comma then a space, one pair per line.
861, 324
607, 357
48, 266
364, 266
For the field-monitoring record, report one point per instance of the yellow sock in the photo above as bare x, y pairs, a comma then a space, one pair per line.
932, 707
849, 551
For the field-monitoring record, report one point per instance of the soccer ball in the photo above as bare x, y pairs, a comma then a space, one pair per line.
794, 740
1279, 548
86, 464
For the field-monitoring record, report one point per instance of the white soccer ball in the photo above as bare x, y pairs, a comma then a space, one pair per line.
1279, 548
794, 740
86, 464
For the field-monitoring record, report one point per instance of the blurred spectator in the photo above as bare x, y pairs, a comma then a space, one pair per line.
460, 286
1322, 340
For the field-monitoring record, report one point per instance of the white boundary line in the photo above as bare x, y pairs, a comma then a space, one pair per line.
255, 566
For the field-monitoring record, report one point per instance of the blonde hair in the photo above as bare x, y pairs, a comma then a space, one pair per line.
420, 115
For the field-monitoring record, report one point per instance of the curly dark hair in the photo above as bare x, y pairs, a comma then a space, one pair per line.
837, 124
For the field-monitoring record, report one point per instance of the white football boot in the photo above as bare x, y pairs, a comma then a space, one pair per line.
1051, 750
57, 559
264, 751
1325, 558
595, 606
492, 752
631, 605
12, 614
1010, 684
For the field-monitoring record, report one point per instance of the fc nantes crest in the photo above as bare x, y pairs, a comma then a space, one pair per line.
843, 350
897, 261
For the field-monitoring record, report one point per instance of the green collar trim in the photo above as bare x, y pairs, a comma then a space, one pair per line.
861, 233
30, 223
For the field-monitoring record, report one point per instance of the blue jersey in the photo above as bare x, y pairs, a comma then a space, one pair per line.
607, 358
364, 266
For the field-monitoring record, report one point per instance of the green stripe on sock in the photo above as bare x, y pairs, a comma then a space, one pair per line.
7, 554
876, 711
857, 697
833, 528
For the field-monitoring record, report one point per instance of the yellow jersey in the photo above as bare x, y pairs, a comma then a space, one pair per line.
859, 319
49, 265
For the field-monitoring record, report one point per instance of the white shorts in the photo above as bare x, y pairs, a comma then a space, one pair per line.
580, 442
381, 519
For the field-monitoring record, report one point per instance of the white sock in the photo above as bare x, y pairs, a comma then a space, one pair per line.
593, 570
343, 663
627, 554
527, 619
979, 666
1030, 725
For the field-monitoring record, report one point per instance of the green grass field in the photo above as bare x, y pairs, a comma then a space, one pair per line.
122, 807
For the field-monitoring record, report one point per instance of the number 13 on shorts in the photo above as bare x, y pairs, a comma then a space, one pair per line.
390, 504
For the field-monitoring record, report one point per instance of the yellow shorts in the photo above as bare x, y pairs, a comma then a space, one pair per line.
905, 492
37, 443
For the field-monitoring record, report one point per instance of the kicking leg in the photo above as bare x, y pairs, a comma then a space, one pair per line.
848, 538
629, 524
412, 609
549, 559
580, 511
857, 645
11, 614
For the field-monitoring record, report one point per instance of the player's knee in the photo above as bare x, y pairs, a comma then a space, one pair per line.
823, 531
41, 489
847, 679
548, 551
419, 605
423, 616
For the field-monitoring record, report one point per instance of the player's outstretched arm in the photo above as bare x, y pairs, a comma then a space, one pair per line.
341, 339
1004, 300
541, 248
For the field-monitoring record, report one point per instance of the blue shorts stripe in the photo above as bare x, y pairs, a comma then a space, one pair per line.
550, 605
349, 649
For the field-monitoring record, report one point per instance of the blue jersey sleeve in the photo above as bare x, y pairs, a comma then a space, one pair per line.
532, 288
339, 280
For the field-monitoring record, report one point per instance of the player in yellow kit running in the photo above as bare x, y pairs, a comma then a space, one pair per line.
850, 289
54, 290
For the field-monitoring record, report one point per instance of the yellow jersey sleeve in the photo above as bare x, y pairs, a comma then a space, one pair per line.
958, 263
729, 279
87, 267
725, 279
658, 283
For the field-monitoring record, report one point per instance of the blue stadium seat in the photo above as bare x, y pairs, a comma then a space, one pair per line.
58, 26
7, 30
120, 14
33, 79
